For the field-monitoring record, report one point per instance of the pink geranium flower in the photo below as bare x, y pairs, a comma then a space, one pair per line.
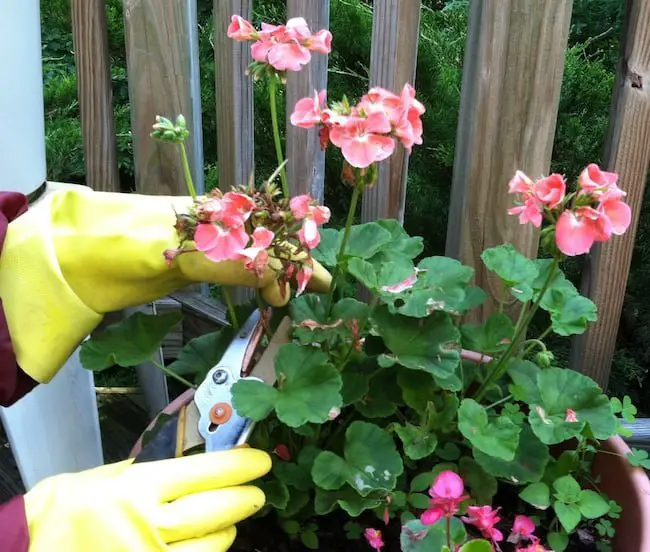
257, 257
308, 112
522, 529
302, 277
530, 211
364, 141
534, 547
312, 215
321, 42
520, 184
218, 243
373, 536
550, 190
240, 29
446, 496
595, 182
484, 518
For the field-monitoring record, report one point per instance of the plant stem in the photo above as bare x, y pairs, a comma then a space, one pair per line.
273, 83
371, 309
502, 298
231, 308
172, 374
537, 341
344, 243
449, 533
522, 325
497, 403
186, 170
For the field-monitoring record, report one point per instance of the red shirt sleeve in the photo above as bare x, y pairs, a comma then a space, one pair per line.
14, 383
14, 533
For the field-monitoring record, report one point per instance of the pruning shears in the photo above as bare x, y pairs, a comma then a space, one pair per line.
205, 419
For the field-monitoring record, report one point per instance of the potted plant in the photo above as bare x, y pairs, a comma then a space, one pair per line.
394, 424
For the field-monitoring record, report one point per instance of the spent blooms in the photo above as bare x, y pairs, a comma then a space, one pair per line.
367, 132
592, 214
283, 47
257, 228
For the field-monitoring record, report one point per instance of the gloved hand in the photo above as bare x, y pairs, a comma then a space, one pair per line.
78, 254
188, 504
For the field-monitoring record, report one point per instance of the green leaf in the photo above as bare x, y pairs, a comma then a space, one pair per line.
527, 466
353, 531
371, 461
130, 342
441, 286
277, 494
574, 316
510, 265
592, 505
419, 501
418, 389
418, 443
328, 248
449, 451
477, 545
563, 389
201, 354
383, 395
474, 297
308, 315
568, 514
417, 537
638, 458
297, 474
364, 272
626, 408
400, 243
567, 489
490, 337
537, 495
297, 501
367, 239
355, 386
309, 539
308, 388
482, 485
430, 345
348, 499
290, 527
558, 541
498, 438
422, 482
524, 386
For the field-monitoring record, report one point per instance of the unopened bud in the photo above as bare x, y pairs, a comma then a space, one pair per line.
544, 358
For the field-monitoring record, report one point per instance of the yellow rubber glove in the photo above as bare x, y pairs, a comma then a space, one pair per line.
186, 504
78, 254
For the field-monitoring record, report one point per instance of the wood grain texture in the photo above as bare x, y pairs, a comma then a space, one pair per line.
627, 152
306, 159
159, 42
395, 32
514, 61
93, 65
234, 94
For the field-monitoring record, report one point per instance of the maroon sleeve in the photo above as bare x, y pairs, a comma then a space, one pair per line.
14, 533
14, 383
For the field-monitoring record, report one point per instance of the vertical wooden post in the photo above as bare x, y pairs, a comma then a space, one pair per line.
234, 95
512, 77
306, 160
160, 39
92, 58
627, 152
395, 32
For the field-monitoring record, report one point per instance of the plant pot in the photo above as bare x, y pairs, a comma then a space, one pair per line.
630, 487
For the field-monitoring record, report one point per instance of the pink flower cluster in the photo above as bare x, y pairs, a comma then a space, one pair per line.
598, 210
366, 132
283, 47
447, 493
313, 216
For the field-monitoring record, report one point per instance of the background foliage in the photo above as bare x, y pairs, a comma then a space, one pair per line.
582, 122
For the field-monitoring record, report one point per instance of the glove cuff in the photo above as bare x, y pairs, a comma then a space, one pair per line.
45, 318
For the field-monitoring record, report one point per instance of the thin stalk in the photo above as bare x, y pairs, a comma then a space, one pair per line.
231, 308
522, 324
502, 298
273, 83
538, 341
172, 374
497, 403
344, 243
186, 170
362, 326
449, 533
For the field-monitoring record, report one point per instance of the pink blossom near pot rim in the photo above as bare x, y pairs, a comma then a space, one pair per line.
374, 538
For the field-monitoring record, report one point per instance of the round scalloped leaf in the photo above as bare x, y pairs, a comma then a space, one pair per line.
498, 437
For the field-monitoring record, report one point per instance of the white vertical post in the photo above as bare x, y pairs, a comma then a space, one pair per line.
55, 428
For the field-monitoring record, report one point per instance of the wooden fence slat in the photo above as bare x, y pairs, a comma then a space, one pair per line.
234, 94
234, 97
627, 152
512, 75
160, 37
93, 65
306, 159
395, 33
